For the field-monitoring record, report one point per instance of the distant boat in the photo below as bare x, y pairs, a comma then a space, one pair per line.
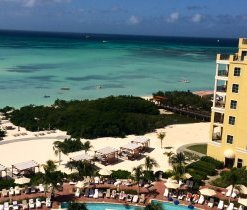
184, 81
46, 96
218, 40
98, 87
104, 41
65, 88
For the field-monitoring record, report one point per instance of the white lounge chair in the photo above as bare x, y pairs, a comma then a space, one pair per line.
96, 180
201, 200
211, 203
11, 191
142, 198
166, 193
77, 193
230, 207
240, 207
48, 202
38, 203
15, 205
96, 193
135, 199
31, 204
121, 195
24, 204
5, 193
6, 206
41, 188
117, 183
17, 190
220, 205
234, 195
1, 206
108, 193
113, 194
228, 193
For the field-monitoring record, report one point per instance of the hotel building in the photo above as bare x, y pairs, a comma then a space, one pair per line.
228, 128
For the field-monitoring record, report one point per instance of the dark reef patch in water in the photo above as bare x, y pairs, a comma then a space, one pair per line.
32, 68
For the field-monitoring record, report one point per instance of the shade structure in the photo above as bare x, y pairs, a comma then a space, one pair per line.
130, 146
229, 153
22, 180
243, 201
81, 157
105, 172
238, 188
141, 140
172, 185
207, 192
106, 150
25, 165
81, 184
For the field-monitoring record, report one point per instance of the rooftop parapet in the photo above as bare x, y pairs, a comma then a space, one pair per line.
242, 43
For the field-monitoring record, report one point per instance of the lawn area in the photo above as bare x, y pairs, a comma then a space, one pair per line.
201, 148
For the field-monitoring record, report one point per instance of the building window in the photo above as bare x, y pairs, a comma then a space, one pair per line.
239, 163
229, 139
235, 88
233, 104
231, 120
237, 71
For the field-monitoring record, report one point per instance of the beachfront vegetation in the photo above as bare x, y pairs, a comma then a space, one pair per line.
185, 99
84, 168
111, 116
120, 174
161, 137
2, 133
150, 163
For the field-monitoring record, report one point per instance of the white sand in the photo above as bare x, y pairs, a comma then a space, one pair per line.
41, 150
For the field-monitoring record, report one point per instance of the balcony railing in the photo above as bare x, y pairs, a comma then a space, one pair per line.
244, 41
223, 73
219, 118
224, 57
220, 104
221, 88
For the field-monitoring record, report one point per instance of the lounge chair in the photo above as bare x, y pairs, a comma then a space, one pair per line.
31, 204
100, 194
91, 193
234, 195
121, 195
86, 194
188, 197
1, 206
77, 193
166, 193
33, 189
220, 205
48, 202
228, 193
24, 204
11, 191
96, 193
6, 206
113, 194
230, 207
5, 193
17, 190
211, 203
27, 190
41, 188
240, 207
117, 183
38, 203
108, 193
201, 199
96, 180
181, 197
135, 199
15, 205
196, 198
129, 198
142, 198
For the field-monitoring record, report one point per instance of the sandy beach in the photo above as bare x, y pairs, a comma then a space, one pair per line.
40, 148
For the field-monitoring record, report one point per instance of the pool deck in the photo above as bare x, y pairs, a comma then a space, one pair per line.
68, 195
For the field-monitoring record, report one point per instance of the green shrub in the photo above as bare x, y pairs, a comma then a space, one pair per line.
6, 183
149, 176
132, 192
167, 174
208, 168
120, 174
218, 164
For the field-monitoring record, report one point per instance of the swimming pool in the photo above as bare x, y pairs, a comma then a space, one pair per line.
110, 206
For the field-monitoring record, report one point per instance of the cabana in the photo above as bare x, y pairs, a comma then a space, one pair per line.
3, 169
143, 141
24, 167
130, 150
82, 157
106, 155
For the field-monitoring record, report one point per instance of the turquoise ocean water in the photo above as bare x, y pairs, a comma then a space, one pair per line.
34, 65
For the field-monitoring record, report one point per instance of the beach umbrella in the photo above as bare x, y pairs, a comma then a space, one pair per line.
238, 188
187, 176
105, 172
22, 180
81, 184
243, 201
172, 185
207, 192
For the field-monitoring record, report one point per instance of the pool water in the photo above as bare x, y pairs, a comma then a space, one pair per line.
109, 206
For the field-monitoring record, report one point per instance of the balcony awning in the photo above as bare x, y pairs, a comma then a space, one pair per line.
229, 153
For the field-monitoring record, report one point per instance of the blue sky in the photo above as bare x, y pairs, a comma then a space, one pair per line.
199, 18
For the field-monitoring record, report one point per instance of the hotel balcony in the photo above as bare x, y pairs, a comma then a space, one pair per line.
222, 73
242, 43
221, 88
218, 118
217, 134
223, 59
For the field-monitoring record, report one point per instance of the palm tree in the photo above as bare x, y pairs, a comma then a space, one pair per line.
87, 146
161, 136
50, 166
169, 155
154, 206
150, 163
232, 179
178, 171
137, 174
178, 159
57, 148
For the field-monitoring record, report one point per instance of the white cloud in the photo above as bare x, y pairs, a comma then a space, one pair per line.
173, 17
134, 20
32, 3
197, 18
